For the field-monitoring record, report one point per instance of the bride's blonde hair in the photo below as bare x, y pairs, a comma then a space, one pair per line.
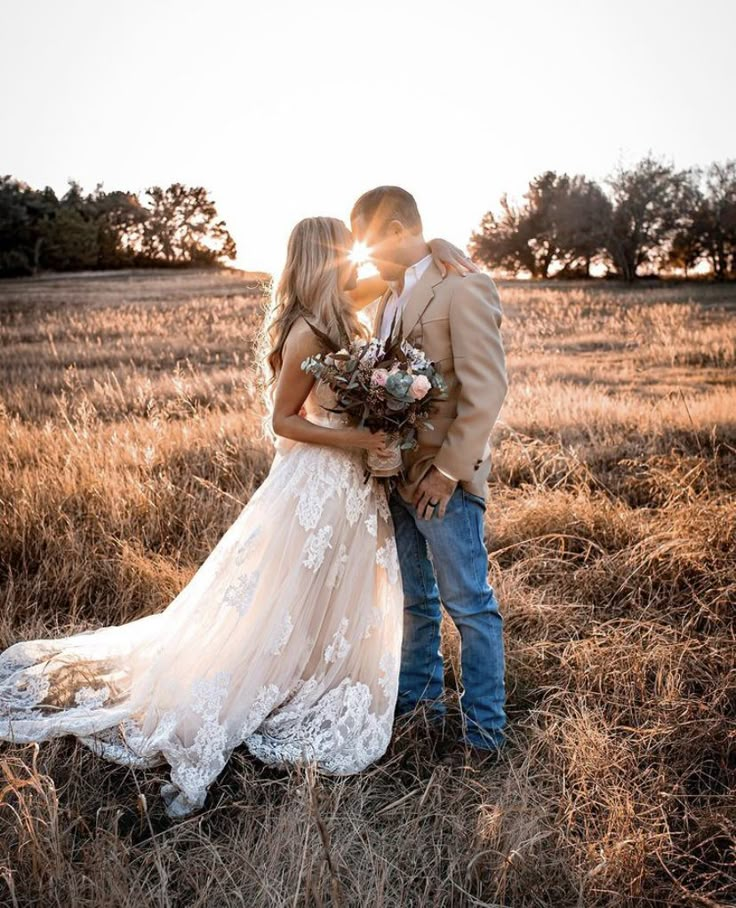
309, 286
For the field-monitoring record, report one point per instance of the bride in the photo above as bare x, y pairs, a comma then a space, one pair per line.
288, 637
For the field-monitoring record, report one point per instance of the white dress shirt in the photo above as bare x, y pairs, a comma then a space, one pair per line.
397, 301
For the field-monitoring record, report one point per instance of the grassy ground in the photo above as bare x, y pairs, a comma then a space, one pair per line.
129, 442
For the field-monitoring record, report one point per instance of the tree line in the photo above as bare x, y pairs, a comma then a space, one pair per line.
647, 219
177, 226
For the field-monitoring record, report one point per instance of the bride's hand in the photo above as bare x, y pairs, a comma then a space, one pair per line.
446, 255
369, 441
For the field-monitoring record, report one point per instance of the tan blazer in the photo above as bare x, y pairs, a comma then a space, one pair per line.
456, 321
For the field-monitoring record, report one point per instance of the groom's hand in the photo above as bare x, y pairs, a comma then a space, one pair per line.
435, 487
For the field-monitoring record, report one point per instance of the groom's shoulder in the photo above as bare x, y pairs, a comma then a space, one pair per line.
473, 283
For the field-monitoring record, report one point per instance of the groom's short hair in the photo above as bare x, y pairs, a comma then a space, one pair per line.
386, 203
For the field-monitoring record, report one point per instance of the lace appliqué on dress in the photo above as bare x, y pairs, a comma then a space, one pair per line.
322, 473
287, 626
389, 671
338, 647
194, 767
315, 548
337, 568
388, 558
90, 697
340, 731
239, 595
382, 505
265, 700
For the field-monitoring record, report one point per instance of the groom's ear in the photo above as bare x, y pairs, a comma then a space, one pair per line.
395, 227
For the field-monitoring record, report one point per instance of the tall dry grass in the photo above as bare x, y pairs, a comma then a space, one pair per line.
128, 443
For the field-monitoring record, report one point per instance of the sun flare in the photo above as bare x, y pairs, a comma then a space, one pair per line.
359, 254
360, 257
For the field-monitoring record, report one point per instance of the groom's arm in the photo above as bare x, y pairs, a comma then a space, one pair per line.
480, 367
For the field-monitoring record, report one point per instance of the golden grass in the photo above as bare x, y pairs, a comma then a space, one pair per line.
129, 442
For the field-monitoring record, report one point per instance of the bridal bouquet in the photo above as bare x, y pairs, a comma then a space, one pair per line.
389, 387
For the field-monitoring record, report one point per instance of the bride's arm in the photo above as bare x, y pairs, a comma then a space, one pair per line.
292, 389
445, 254
367, 290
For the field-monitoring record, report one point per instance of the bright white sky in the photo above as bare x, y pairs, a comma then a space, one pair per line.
290, 108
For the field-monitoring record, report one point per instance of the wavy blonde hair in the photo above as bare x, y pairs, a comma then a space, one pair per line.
309, 286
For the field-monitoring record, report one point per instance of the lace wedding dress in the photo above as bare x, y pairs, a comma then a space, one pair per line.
286, 639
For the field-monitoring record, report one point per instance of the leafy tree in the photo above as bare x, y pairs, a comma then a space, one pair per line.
650, 205
69, 240
22, 211
182, 227
119, 216
503, 241
716, 224
522, 237
539, 220
685, 249
562, 223
107, 230
582, 221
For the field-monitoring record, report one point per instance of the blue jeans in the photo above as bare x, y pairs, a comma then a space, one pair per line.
458, 573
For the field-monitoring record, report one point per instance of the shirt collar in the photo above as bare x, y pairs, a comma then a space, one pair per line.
413, 273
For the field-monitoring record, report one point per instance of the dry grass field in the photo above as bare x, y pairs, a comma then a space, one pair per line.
129, 441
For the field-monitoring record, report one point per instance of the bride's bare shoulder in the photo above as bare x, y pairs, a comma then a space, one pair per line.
301, 340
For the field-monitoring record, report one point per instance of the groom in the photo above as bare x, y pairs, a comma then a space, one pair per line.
439, 509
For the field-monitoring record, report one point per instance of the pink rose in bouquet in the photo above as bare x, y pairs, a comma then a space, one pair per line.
420, 387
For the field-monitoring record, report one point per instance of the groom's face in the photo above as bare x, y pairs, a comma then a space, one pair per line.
385, 242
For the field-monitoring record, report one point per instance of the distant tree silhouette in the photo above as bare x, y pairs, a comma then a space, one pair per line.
182, 227
69, 237
712, 228
563, 223
653, 217
650, 205
178, 227
119, 216
503, 241
540, 220
582, 221
22, 212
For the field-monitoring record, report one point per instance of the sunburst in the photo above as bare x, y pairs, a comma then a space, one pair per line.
359, 254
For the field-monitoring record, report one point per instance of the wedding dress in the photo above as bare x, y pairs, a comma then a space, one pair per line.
287, 639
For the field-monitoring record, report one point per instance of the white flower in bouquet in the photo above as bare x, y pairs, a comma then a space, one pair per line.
414, 354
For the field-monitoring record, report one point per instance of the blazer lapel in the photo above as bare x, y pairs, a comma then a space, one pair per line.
420, 297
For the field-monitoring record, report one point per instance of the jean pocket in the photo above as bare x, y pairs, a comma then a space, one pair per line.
476, 498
